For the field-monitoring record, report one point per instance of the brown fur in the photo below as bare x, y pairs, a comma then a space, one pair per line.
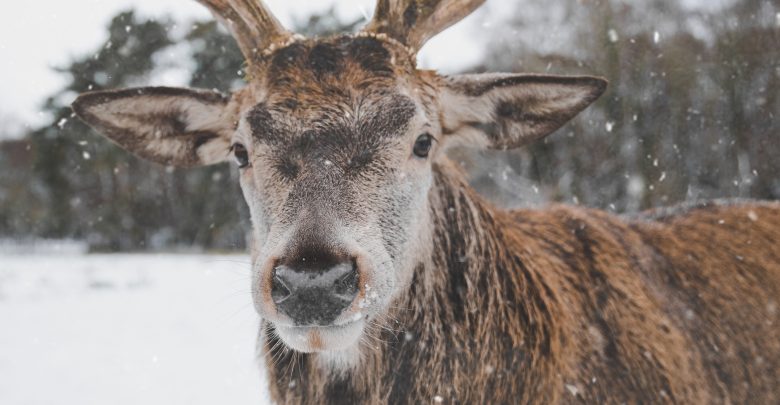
570, 305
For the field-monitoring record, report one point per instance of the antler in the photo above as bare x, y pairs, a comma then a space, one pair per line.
251, 24
414, 22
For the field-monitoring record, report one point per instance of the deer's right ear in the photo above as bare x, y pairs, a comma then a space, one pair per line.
170, 126
504, 111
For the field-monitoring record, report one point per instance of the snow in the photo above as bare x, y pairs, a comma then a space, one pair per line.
127, 329
613, 35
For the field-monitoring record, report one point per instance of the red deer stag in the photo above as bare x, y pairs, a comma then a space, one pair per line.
381, 277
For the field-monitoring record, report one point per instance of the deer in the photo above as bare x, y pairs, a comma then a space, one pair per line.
381, 277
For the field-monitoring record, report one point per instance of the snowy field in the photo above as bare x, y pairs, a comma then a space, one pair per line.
127, 329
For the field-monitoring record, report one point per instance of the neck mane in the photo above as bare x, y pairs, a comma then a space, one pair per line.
470, 307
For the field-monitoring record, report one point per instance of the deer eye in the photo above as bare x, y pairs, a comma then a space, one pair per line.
422, 146
241, 155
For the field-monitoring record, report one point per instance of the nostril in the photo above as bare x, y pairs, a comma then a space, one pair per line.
279, 290
347, 285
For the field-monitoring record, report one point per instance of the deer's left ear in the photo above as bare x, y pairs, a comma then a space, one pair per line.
170, 126
504, 111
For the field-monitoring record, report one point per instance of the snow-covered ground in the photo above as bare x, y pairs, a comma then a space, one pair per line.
127, 329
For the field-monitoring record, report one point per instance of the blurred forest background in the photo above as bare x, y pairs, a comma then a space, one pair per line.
691, 113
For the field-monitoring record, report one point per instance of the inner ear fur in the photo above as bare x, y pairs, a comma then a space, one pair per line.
504, 111
170, 126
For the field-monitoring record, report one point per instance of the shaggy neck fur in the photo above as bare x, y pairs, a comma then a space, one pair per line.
568, 304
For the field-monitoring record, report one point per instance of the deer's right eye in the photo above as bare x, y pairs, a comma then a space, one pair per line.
422, 146
241, 155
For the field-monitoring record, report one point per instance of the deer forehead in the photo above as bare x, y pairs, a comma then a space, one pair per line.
313, 72
335, 91
363, 56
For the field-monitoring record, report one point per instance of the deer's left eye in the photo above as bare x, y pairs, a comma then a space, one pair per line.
241, 155
422, 147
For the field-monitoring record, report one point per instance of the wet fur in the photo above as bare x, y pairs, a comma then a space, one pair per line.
569, 305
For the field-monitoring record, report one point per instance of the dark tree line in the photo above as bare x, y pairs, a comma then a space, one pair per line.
84, 187
691, 113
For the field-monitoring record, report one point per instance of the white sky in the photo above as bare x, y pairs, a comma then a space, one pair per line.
37, 35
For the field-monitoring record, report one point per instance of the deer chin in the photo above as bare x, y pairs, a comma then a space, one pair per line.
322, 339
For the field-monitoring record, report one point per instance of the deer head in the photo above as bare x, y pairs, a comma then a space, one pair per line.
336, 140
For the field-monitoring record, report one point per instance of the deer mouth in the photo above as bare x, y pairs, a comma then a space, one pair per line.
316, 339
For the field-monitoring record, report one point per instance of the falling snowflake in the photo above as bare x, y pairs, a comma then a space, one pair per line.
613, 35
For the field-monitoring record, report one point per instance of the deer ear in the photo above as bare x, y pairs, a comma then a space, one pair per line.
504, 111
170, 126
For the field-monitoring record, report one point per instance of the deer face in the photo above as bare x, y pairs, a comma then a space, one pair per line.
335, 140
334, 149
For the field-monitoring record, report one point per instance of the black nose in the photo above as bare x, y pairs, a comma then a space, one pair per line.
314, 295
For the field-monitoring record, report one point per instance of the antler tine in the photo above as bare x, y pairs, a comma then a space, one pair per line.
414, 22
252, 25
